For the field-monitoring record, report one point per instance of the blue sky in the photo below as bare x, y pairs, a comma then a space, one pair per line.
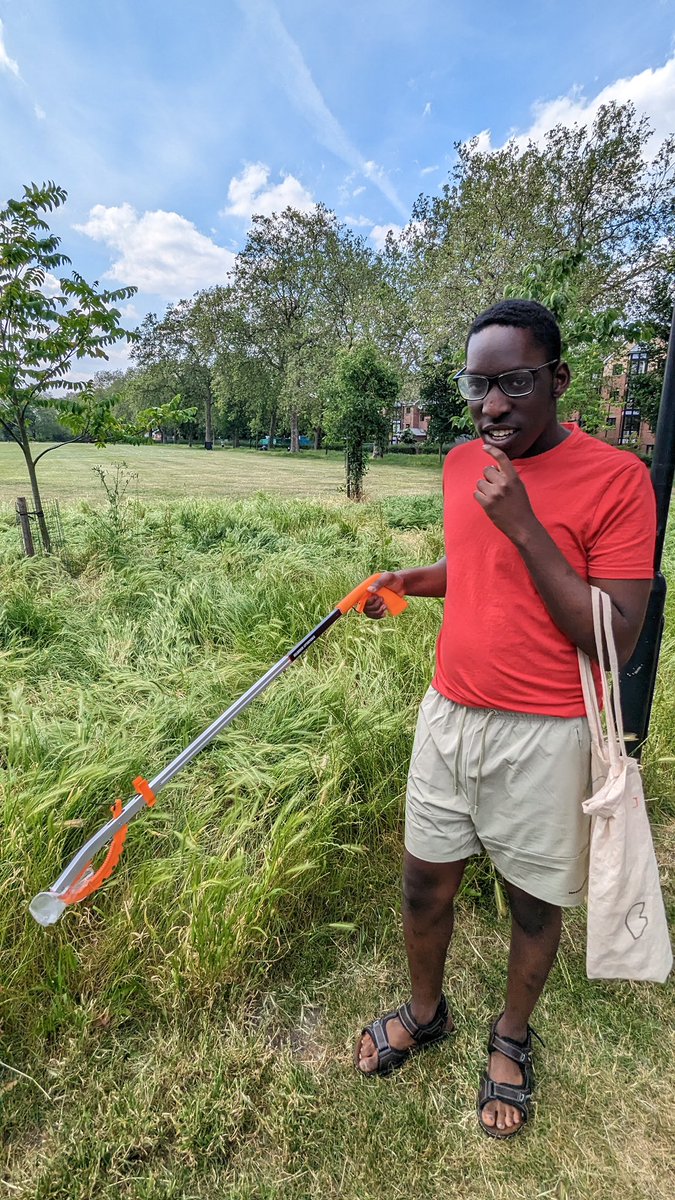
170, 123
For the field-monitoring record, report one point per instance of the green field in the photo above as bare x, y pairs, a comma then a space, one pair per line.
186, 1034
171, 472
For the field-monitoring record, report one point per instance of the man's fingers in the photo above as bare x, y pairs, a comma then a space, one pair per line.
375, 608
502, 461
492, 472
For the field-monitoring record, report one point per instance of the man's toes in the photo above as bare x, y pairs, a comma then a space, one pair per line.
488, 1115
366, 1047
501, 1116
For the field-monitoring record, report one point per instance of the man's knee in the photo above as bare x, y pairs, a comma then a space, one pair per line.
532, 915
428, 886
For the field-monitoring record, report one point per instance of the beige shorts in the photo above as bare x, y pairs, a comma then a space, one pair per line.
509, 783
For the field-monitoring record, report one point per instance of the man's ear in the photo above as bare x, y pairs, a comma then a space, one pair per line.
561, 380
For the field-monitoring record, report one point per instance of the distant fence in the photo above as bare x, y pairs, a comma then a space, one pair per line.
31, 533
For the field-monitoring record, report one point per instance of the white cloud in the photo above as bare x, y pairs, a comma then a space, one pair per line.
429, 170
652, 92
249, 193
427, 109
39, 112
357, 192
378, 234
483, 142
359, 222
159, 252
302, 91
7, 63
118, 358
51, 286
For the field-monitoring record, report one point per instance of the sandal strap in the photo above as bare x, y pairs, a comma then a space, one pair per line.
424, 1033
520, 1052
507, 1093
388, 1056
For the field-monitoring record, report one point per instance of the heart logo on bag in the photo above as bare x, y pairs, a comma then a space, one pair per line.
636, 922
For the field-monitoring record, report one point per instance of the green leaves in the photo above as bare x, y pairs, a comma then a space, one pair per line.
361, 399
43, 334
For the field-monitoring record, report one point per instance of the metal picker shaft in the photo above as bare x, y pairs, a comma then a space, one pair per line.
78, 880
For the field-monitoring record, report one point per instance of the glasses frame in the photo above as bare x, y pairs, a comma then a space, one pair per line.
491, 379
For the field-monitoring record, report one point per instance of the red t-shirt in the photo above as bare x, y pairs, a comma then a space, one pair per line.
498, 646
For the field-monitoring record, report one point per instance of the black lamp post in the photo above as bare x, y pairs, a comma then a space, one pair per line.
639, 675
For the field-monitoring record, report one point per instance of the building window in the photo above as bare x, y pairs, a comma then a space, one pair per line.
639, 358
630, 425
611, 422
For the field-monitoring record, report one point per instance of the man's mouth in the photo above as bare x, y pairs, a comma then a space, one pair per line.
499, 434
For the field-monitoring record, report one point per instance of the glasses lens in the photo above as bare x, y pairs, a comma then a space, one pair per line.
517, 383
472, 387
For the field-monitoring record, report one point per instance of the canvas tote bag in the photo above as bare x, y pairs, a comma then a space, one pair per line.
627, 929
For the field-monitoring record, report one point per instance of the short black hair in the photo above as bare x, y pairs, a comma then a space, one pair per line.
523, 314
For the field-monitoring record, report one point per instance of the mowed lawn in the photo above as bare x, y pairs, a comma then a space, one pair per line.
174, 472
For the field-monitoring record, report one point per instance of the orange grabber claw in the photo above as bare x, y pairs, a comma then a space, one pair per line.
88, 881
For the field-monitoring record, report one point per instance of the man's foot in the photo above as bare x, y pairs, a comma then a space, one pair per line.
506, 1088
390, 1040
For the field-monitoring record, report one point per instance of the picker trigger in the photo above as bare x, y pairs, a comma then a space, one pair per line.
396, 604
143, 788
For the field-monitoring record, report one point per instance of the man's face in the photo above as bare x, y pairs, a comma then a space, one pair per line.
520, 426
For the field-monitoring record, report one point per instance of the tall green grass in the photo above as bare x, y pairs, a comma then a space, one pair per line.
190, 1023
113, 661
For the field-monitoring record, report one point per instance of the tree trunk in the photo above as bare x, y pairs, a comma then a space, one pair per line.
37, 500
272, 429
235, 438
208, 419
318, 437
295, 443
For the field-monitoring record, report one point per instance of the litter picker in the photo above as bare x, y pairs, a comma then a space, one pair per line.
80, 879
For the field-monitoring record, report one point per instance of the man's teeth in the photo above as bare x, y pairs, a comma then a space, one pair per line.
501, 434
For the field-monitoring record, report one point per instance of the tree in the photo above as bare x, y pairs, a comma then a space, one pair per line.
653, 334
171, 348
440, 399
46, 326
166, 418
302, 284
588, 337
588, 189
363, 392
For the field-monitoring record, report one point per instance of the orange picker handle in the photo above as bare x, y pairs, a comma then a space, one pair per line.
359, 597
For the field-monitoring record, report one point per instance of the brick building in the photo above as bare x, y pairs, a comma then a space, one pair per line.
409, 417
624, 426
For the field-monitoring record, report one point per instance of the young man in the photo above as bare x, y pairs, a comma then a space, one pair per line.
534, 512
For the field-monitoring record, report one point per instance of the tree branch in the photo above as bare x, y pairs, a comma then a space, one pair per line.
57, 445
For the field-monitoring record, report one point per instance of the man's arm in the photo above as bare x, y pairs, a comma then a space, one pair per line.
415, 581
566, 595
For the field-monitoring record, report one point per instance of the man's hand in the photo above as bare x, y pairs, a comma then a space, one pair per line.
375, 606
502, 495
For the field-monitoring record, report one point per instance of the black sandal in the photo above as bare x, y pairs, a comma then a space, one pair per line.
388, 1057
518, 1095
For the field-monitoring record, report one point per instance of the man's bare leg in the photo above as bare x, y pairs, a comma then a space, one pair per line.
535, 934
429, 890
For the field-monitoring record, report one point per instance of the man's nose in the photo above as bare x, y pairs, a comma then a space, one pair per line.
496, 404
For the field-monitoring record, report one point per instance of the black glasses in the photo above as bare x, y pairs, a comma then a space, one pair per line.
474, 388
